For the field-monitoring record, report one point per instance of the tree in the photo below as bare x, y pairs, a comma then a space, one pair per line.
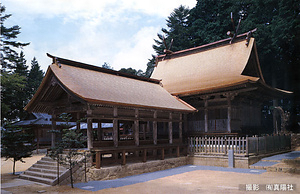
177, 31
107, 66
7, 52
20, 65
35, 77
12, 85
13, 72
177, 24
16, 144
133, 71
66, 151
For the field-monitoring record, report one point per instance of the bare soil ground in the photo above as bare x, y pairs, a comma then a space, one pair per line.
202, 181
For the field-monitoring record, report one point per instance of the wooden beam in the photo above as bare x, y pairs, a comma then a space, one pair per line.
115, 127
136, 128
123, 118
89, 133
155, 128
99, 131
180, 129
206, 114
53, 127
170, 129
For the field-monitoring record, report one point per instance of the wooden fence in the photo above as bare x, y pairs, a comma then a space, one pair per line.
240, 145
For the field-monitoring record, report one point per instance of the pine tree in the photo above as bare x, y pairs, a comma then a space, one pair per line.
16, 145
12, 85
35, 77
13, 71
7, 52
177, 31
20, 65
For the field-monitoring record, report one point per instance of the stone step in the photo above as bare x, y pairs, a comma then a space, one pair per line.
40, 174
45, 162
42, 170
37, 179
46, 158
49, 167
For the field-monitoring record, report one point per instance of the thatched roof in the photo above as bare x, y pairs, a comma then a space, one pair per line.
210, 68
95, 85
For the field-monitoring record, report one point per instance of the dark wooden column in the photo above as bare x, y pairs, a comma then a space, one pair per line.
99, 131
89, 133
37, 139
230, 97
53, 127
170, 129
180, 128
155, 128
115, 127
206, 114
136, 128
186, 125
78, 121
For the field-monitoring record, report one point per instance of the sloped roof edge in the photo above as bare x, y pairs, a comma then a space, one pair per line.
188, 51
100, 69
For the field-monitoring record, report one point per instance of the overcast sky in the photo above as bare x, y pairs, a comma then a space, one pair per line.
118, 32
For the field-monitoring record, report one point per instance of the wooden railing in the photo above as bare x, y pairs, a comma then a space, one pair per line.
240, 145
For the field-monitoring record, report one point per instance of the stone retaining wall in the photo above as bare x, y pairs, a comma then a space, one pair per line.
222, 161
114, 172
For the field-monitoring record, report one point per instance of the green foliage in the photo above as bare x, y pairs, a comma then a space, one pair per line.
107, 66
12, 86
132, 71
17, 83
16, 144
8, 34
66, 151
177, 24
35, 78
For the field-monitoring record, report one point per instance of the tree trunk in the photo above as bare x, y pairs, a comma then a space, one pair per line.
14, 167
71, 175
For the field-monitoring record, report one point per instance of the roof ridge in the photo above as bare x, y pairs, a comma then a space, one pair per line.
238, 38
100, 69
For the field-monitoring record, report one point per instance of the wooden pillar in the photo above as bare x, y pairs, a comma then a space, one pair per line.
115, 127
99, 131
53, 127
180, 128
206, 114
78, 121
136, 128
89, 133
170, 129
37, 140
185, 123
155, 128
144, 131
229, 113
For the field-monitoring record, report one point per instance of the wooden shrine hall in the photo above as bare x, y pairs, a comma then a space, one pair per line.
152, 117
223, 81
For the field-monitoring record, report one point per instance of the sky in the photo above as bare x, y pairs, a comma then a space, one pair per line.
118, 32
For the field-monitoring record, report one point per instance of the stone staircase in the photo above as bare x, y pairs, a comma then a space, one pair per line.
44, 171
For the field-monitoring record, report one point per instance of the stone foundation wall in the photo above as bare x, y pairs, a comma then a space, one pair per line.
114, 172
222, 161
